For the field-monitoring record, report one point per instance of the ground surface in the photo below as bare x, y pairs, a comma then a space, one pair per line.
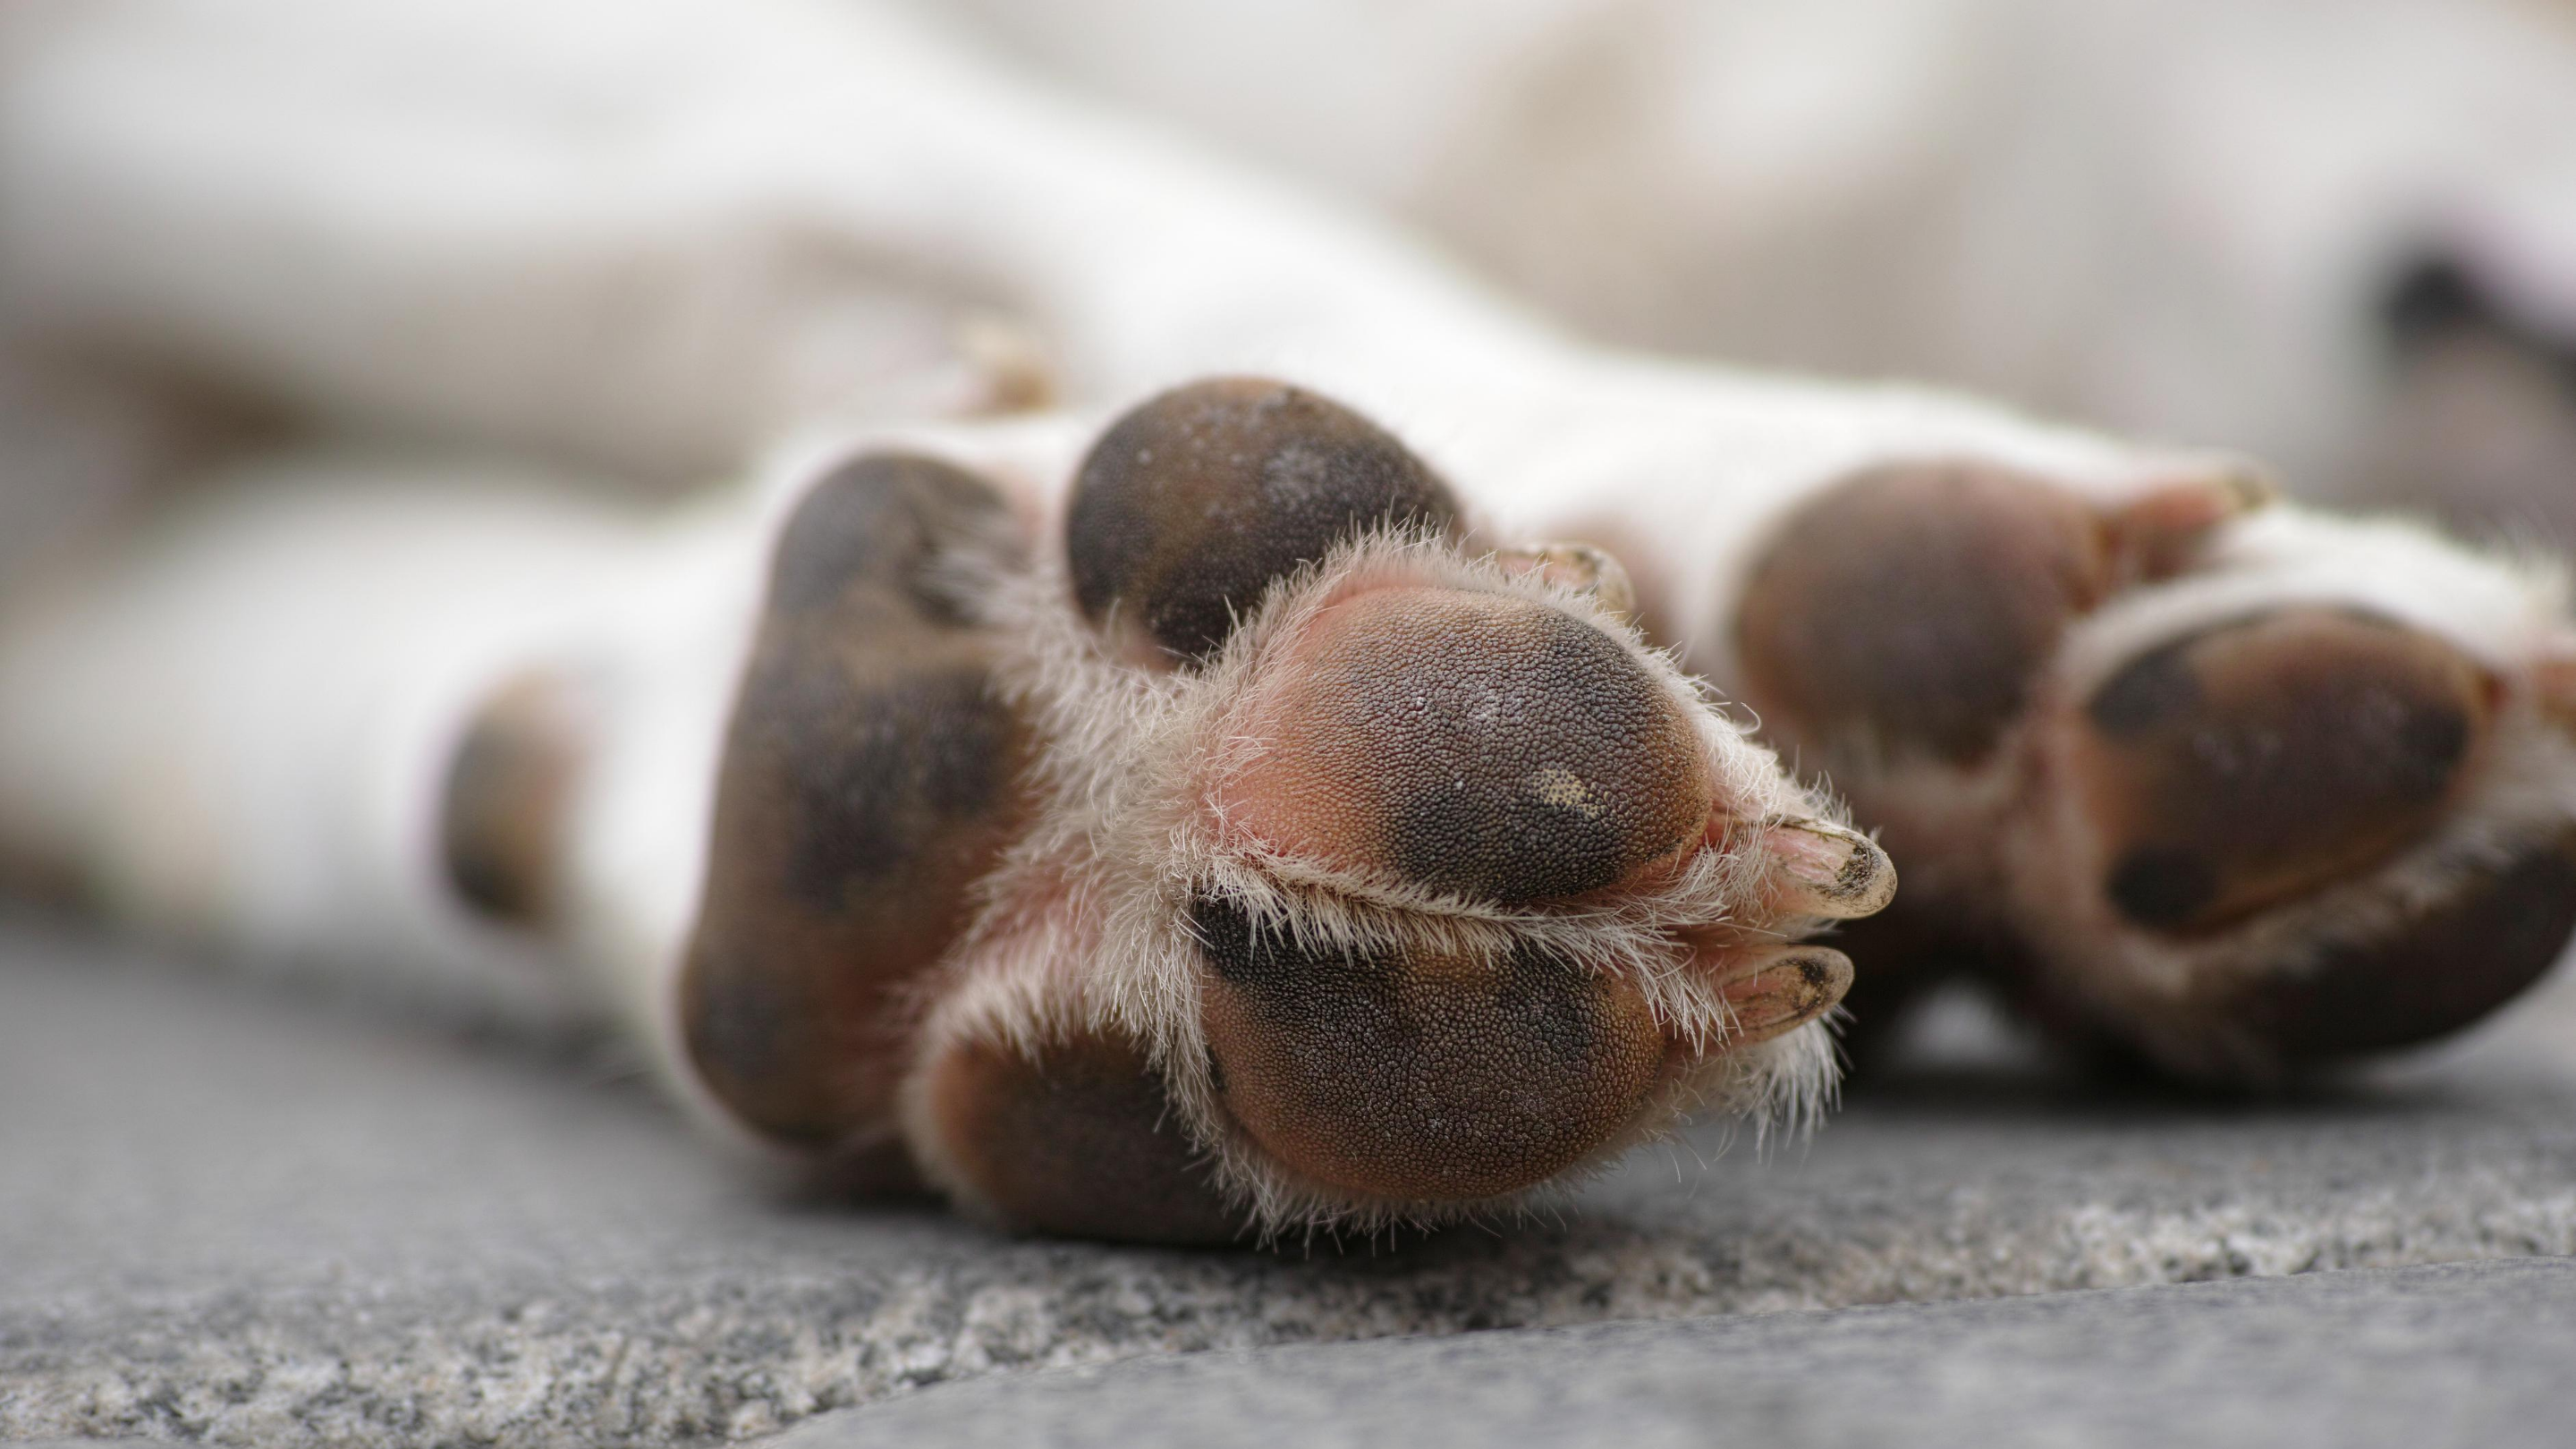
232, 1213
2465, 1354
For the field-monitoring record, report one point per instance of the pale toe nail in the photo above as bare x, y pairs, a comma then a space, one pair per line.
1785, 991
1580, 567
1833, 872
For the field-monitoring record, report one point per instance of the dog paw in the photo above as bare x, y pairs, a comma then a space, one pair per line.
2240, 788
1249, 848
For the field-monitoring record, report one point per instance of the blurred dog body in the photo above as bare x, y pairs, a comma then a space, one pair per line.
2341, 236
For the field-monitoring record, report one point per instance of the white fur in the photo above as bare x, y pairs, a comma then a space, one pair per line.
2177, 218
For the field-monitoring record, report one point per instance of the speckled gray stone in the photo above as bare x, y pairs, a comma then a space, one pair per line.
2409, 1358
236, 1214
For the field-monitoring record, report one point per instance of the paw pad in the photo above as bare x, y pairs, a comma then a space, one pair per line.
1479, 745
1420, 1076
1914, 605
1076, 1137
1193, 502
507, 788
870, 776
2440, 970
2257, 760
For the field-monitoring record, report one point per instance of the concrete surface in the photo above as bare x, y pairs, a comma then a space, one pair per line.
2410, 1358
235, 1214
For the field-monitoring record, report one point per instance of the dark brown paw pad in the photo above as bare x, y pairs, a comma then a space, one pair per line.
2262, 759
1912, 606
1418, 1077
1907, 613
2432, 973
870, 775
508, 788
1192, 504
1078, 1138
1480, 745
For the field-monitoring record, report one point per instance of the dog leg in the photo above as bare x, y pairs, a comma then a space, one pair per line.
246, 723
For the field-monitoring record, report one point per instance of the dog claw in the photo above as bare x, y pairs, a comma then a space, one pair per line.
1784, 990
1835, 873
2156, 533
1579, 567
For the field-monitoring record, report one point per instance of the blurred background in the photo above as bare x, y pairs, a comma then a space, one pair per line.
2337, 234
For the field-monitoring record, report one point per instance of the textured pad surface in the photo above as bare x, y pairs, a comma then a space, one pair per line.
870, 775
1197, 499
